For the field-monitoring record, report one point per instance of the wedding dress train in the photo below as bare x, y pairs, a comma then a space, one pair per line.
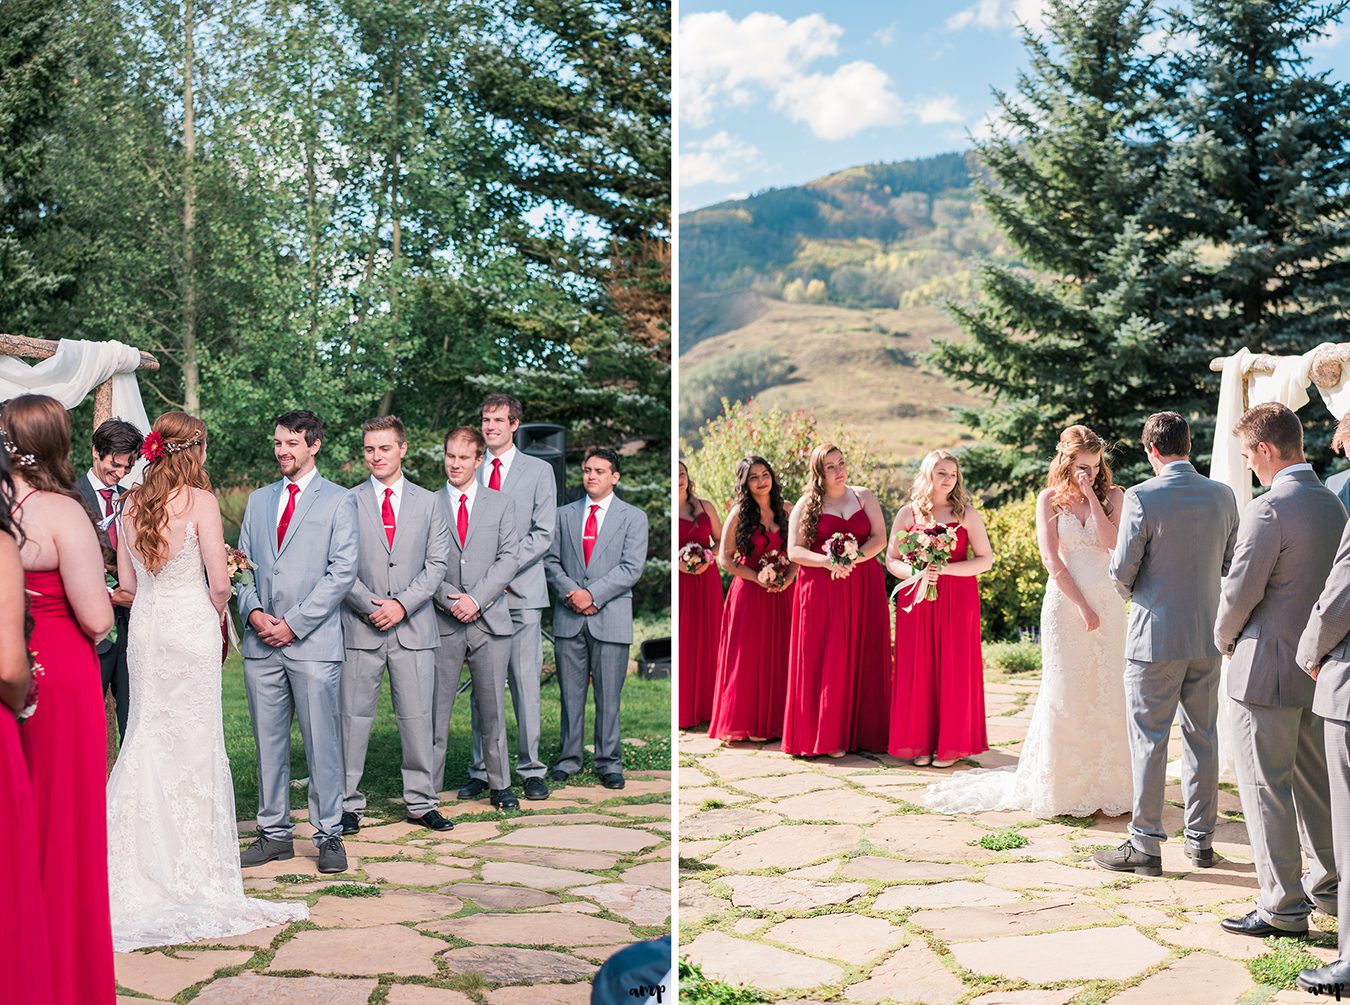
1076, 757
173, 850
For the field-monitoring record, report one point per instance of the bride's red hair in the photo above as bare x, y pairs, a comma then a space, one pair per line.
180, 466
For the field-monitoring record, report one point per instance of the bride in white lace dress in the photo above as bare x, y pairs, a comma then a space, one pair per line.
1076, 759
173, 849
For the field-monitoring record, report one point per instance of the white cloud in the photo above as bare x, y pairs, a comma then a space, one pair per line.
935, 111
999, 15
885, 37
1335, 34
719, 158
841, 104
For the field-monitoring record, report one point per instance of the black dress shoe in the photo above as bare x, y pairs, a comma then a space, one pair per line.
432, 820
475, 788
351, 823
558, 775
1331, 980
1251, 924
264, 850
1203, 858
332, 856
504, 799
536, 788
612, 780
1128, 858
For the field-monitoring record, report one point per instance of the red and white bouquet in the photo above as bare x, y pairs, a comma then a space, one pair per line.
31, 701
694, 558
923, 549
240, 568
842, 550
774, 567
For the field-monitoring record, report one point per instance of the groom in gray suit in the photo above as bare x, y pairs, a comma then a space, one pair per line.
1324, 652
530, 484
388, 620
595, 560
300, 532
471, 609
1280, 564
1175, 542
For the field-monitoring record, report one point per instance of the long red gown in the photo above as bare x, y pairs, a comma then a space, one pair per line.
839, 662
752, 654
23, 914
65, 745
700, 623
937, 705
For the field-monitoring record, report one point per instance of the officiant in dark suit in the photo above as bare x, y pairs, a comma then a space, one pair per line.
117, 444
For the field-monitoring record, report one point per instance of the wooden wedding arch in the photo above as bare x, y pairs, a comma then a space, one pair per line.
1325, 372
41, 348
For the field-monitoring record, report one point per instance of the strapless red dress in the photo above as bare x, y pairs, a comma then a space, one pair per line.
700, 624
23, 913
752, 655
839, 661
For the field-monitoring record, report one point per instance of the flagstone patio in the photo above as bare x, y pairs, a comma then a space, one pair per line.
502, 910
817, 880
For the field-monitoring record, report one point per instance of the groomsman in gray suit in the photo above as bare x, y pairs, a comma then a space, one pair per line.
300, 532
1324, 652
1176, 539
595, 559
471, 608
1280, 565
530, 484
1340, 443
388, 620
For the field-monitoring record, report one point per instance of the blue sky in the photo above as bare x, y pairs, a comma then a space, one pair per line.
779, 93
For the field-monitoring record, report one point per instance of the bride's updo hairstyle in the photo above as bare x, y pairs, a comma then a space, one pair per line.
815, 491
1074, 441
174, 453
921, 495
35, 434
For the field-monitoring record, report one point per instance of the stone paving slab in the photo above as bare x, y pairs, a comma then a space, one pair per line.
256, 989
737, 961
164, 976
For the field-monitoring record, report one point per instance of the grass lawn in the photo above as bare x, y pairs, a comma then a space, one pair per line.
646, 716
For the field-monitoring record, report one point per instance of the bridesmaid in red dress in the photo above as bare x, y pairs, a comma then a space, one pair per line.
23, 916
752, 654
937, 707
700, 607
839, 661
65, 742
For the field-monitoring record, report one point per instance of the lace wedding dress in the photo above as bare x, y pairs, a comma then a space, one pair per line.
173, 850
1076, 757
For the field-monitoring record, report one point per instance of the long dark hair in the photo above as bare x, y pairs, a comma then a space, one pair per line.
747, 507
8, 524
37, 431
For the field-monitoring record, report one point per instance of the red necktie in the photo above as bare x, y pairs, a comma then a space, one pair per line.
107, 495
287, 513
462, 520
495, 482
590, 532
387, 515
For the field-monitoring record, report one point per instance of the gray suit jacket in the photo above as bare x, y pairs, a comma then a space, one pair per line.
1340, 484
305, 581
1325, 641
410, 571
617, 559
530, 484
485, 563
1176, 539
1279, 566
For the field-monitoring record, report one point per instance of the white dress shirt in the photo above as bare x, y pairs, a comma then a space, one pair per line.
304, 482
599, 514
394, 499
1305, 466
470, 490
485, 469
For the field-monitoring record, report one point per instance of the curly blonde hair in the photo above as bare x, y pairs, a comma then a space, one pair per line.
921, 495
147, 505
1074, 441
815, 491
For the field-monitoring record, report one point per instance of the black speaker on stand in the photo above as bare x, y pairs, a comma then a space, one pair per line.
548, 442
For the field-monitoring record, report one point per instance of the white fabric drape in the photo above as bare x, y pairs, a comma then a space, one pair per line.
76, 370
1226, 465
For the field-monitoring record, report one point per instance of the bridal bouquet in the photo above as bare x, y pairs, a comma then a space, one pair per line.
773, 569
239, 567
842, 551
924, 549
30, 702
110, 581
694, 557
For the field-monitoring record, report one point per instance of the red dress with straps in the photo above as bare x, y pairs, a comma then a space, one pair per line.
700, 624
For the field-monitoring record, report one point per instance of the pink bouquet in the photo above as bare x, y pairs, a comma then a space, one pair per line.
773, 569
923, 549
842, 551
694, 558
239, 567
